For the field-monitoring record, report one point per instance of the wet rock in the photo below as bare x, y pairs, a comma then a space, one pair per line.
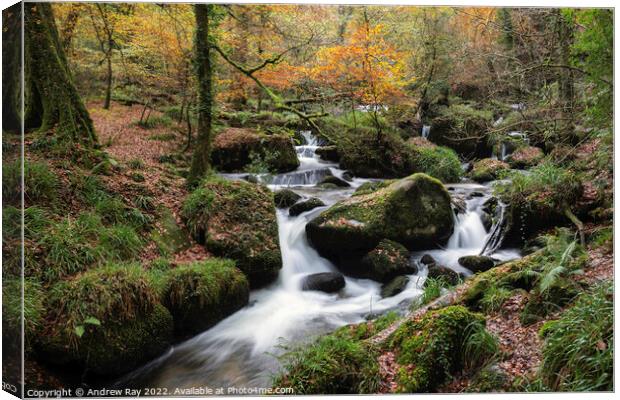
328, 186
335, 180
251, 178
232, 150
490, 205
476, 194
460, 206
246, 229
328, 282
415, 212
487, 221
328, 153
477, 263
285, 198
440, 272
427, 259
347, 176
304, 206
395, 286
386, 261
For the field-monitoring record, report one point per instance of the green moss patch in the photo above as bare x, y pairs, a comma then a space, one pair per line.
200, 294
432, 348
237, 220
107, 320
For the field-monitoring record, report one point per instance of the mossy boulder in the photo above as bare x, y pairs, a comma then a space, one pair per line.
237, 220
429, 349
200, 294
107, 320
304, 206
414, 212
461, 127
386, 261
285, 198
235, 148
477, 263
487, 170
525, 157
369, 154
328, 153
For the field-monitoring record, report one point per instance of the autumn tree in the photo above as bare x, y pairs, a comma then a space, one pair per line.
52, 100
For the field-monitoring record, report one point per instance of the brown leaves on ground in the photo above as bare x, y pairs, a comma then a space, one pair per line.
520, 344
388, 369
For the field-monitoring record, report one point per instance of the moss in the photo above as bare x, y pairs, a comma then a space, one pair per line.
414, 211
137, 177
116, 310
386, 261
201, 294
430, 349
232, 150
460, 127
487, 170
368, 329
237, 220
373, 186
332, 365
539, 305
439, 162
307, 205
170, 237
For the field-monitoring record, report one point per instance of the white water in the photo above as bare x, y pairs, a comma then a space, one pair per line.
426, 131
239, 351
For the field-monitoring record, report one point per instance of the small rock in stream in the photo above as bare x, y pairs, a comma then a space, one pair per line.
328, 282
285, 198
335, 180
304, 206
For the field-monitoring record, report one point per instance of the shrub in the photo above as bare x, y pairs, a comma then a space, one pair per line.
202, 293
577, 355
155, 121
120, 242
35, 220
433, 288
331, 365
439, 162
136, 163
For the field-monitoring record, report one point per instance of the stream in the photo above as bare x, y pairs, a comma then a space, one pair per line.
241, 351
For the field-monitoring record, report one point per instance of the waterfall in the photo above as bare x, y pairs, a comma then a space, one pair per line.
426, 131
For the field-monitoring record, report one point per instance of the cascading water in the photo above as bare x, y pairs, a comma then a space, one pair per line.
426, 131
239, 351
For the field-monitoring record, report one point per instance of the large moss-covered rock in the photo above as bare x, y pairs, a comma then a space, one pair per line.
201, 294
487, 170
329, 153
235, 148
461, 127
414, 211
430, 348
106, 320
237, 220
386, 261
304, 206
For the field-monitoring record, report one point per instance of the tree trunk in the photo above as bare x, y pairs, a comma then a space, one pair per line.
52, 99
204, 73
11, 68
68, 26
108, 82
